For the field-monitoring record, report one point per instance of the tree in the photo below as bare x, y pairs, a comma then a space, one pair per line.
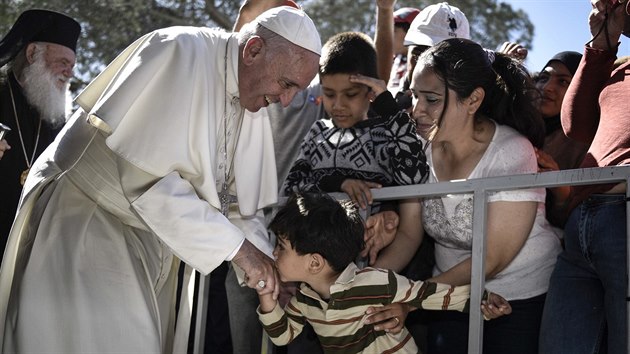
492, 22
110, 25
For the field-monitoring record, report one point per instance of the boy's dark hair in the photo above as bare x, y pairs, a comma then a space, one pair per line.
348, 53
317, 223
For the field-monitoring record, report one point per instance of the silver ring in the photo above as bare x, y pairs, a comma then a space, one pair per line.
397, 320
261, 284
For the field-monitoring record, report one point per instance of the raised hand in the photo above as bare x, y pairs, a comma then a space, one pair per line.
514, 50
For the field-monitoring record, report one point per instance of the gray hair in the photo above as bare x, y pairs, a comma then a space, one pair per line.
278, 44
19, 63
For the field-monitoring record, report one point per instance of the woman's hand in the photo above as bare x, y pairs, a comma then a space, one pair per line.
495, 306
545, 161
389, 318
605, 11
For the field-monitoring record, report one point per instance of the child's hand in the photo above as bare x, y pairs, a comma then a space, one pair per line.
287, 291
359, 191
376, 85
267, 303
495, 306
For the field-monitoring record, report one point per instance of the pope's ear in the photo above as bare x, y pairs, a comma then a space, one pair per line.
253, 50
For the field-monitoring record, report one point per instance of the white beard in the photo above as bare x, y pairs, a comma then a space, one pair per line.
42, 93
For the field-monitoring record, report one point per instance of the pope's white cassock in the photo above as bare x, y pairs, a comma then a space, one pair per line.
127, 190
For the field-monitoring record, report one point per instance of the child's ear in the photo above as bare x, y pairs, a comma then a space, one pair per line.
316, 263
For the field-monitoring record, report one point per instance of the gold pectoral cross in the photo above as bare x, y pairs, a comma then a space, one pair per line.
226, 199
23, 176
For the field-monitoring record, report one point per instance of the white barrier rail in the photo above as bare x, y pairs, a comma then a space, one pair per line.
480, 188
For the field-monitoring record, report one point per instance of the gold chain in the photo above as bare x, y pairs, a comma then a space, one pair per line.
39, 127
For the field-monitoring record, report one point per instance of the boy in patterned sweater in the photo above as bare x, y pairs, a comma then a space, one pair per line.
318, 239
350, 152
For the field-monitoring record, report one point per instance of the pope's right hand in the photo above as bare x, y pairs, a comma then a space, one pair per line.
260, 272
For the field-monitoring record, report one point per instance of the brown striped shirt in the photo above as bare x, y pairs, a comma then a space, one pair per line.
338, 322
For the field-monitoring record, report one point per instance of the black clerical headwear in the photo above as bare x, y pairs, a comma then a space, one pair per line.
39, 26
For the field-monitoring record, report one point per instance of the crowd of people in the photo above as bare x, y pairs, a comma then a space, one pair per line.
203, 150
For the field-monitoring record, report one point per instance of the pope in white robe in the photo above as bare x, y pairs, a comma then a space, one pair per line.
131, 187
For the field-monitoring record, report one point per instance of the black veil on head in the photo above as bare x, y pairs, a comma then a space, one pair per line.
39, 26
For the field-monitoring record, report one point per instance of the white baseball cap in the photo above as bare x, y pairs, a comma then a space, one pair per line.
436, 23
294, 25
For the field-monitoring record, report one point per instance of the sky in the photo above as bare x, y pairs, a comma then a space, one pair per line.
559, 25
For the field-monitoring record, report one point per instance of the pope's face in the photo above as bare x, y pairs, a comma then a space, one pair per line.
267, 76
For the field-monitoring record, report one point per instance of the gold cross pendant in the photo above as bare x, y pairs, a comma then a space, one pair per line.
24, 175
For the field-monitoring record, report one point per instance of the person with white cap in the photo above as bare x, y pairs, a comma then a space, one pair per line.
433, 24
159, 164
37, 56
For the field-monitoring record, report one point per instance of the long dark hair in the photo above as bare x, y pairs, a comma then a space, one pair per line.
464, 65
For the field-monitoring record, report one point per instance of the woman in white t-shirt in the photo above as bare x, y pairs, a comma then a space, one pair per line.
476, 110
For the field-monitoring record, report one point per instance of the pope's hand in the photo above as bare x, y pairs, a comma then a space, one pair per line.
260, 273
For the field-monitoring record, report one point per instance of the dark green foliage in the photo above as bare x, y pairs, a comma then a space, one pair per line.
110, 25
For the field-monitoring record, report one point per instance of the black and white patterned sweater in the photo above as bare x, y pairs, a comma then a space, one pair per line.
385, 150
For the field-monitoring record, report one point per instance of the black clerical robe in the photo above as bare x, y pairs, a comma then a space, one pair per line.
13, 163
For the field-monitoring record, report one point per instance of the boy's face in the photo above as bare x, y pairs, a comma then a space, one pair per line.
290, 265
346, 103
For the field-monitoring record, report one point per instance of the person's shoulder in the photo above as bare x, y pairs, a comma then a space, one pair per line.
185, 33
506, 137
511, 151
371, 275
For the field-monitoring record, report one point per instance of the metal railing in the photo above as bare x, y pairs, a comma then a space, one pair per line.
480, 188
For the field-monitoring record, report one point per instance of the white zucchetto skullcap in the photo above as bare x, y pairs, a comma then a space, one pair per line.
293, 25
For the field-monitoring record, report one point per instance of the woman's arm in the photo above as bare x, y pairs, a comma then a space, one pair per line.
408, 237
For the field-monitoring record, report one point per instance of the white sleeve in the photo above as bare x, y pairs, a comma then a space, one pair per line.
195, 231
514, 155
